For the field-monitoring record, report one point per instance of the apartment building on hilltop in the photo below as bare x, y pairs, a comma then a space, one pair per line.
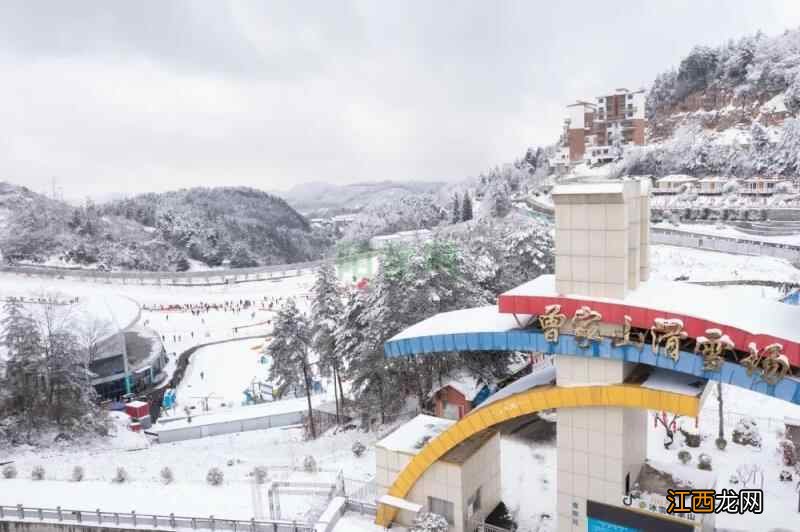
599, 131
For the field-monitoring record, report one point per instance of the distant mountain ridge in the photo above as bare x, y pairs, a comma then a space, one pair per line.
321, 198
158, 232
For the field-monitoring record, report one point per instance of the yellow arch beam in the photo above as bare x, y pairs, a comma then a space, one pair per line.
530, 402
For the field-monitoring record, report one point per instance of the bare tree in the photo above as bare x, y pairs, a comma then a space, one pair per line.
670, 432
91, 331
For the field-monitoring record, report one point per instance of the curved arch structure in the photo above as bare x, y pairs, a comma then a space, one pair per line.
483, 329
531, 402
743, 320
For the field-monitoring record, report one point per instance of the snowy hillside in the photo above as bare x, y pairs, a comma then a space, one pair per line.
727, 110
163, 232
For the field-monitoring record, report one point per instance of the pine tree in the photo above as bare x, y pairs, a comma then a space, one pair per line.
456, 209
24, 375
368, 321
466, 208
69, 380
326, 311
497, 199
289, 349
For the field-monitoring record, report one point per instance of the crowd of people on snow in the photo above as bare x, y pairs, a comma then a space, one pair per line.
196, 309
41, 300
199, 310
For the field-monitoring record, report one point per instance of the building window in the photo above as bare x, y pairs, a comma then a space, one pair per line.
441, 507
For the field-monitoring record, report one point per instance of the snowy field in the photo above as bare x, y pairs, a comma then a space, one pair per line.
669, 262
221, 373
277, 449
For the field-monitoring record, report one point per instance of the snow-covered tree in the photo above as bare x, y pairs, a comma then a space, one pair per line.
25, 369
241, 258
791, 98
496, 200
289, 349
466, 208
326, 311
409, 212
456, 210
369, 321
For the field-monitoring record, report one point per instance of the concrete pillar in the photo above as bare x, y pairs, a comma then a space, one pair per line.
602, 237
633, 205
598, 448
644, 244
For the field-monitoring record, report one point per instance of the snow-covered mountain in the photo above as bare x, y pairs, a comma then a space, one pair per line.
329, 198
168, 231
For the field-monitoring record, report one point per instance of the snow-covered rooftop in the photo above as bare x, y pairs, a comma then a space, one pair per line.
589, 188
466, 385
755, 315
539, 378
484, 319
421, 429
776, 104
677, 178
672, 381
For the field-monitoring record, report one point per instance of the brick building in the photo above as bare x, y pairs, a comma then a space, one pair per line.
598, 131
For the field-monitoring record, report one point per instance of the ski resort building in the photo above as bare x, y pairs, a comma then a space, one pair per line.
623, 345
598, 131
464, 483
763, 186
673, 184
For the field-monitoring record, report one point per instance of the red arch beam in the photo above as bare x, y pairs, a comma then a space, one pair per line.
643, 317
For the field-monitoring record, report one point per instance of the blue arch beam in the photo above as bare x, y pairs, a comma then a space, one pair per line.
787, 389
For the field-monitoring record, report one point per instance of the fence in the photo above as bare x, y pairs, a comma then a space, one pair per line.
360, 496
147, 521
480, 526
200, 278
740, 246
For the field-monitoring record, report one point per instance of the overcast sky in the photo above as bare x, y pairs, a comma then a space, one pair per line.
122, 96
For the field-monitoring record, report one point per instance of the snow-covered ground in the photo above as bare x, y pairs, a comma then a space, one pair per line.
669, 262
221, 373
277, 449
528, 473
780, 498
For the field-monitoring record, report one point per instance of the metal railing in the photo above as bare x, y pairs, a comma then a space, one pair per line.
146, 521
256, 273
478, 525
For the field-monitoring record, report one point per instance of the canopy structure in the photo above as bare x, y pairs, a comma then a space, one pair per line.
486, 329
743, 319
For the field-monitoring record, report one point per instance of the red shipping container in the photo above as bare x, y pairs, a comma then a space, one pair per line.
137, 409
